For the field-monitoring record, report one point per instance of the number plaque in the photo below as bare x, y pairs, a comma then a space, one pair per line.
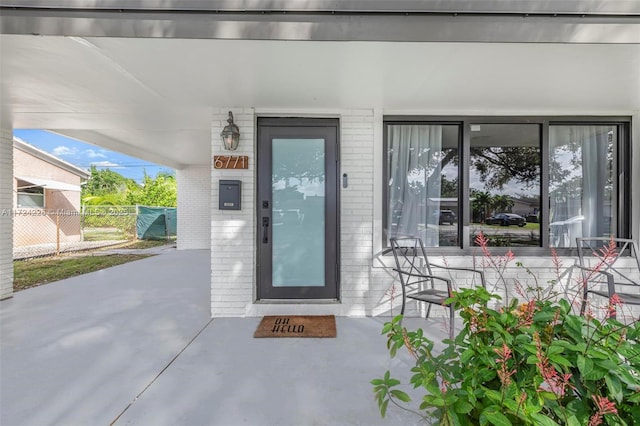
230, 161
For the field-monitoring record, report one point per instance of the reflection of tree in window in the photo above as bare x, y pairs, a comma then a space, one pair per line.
502, 203
481, 204
449, 187
498, 166
302, 163
505, 178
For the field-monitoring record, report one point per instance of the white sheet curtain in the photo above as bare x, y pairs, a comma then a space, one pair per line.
414, 171
579, 202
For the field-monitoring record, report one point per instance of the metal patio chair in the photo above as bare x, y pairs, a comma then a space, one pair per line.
418, 279
619, 271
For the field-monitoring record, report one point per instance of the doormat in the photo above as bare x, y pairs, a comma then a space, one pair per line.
297, 326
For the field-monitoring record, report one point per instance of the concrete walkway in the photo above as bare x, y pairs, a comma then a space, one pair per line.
135, 345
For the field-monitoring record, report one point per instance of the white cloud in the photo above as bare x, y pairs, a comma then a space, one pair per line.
62, 150
104, 164
91, 153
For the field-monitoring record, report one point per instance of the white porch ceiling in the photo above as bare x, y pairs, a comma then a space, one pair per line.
152, 97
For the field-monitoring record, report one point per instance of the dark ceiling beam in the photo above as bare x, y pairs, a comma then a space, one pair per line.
410, 27
587, 7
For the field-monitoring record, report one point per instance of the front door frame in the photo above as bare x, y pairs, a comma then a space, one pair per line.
268, 129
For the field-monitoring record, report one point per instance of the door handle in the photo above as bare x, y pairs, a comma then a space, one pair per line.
265, 230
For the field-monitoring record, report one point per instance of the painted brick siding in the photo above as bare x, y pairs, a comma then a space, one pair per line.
369, 286
194, 212
6, 218
232, 231
356, 210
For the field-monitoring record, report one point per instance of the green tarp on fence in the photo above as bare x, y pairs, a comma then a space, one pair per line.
156, 223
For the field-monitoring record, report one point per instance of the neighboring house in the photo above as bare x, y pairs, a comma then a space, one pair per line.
525, 207
47, 197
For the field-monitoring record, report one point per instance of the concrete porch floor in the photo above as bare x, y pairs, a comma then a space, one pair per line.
135, 345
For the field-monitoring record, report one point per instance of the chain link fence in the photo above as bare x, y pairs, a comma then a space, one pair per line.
42, 232
109, 223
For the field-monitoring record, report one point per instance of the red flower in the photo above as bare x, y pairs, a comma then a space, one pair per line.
604, 407
553, 382
504, 354
611, 307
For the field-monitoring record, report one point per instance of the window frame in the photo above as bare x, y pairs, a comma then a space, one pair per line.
621, 167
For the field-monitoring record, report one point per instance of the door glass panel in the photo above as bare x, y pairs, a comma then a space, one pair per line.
298, 194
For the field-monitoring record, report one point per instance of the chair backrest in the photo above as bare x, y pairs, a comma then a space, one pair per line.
410, 255
617, 256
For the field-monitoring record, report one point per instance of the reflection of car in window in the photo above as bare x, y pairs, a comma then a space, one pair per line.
506, 219
445, 216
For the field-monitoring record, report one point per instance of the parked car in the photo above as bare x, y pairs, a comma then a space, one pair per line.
445, 216
506, 219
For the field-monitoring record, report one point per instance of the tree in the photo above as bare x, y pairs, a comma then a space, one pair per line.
106, 187
161, 191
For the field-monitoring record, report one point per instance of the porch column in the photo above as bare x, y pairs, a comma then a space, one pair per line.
6, 213
233, 231
194, 207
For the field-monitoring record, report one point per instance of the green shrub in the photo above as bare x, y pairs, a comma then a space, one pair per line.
532, 363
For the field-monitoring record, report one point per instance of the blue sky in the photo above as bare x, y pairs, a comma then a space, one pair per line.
83, 155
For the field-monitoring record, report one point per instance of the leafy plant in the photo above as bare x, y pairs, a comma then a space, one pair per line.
530, 363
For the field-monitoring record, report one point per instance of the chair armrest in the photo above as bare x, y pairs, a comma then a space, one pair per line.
611, 286
426, 277
451, 268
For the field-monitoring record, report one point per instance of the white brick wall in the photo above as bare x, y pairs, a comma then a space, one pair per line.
365, 281
233, 245
232, 231
194, 207
6, 218
356, 209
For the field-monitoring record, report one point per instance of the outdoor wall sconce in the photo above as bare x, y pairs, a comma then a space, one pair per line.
230, 135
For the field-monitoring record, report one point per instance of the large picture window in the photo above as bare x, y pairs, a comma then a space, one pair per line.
447, 180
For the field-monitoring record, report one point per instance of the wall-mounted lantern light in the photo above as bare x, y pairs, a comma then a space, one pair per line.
230, 135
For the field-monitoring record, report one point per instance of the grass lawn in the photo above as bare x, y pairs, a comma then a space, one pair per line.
141, 244
103, 234
529, 226
35, 272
